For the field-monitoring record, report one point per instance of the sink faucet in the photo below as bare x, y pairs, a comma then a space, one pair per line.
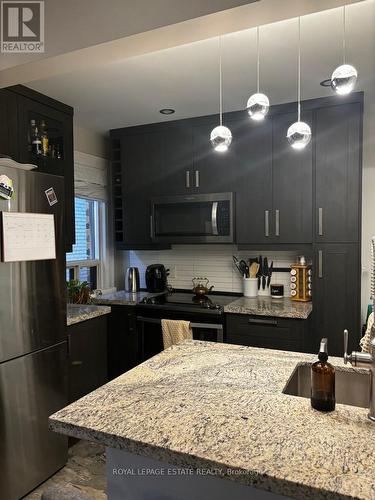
363, 360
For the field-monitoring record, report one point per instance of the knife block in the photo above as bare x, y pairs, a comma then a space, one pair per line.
300, 283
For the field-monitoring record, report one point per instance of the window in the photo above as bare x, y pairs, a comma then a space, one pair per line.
83, 263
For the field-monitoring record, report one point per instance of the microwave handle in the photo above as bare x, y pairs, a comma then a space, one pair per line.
215, 232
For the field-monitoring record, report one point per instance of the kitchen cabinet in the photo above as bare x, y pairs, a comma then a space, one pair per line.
253, 182
87, 356
274, 184
20, 105
336, 295
283, 196
123, 345
338, 150
268, 332
213, 172
8, 124
292, 184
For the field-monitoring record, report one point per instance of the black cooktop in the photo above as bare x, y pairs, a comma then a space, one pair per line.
188, 302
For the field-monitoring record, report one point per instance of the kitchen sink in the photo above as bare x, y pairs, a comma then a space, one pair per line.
352, 387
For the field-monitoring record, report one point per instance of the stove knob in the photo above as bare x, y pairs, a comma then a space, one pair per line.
152, 301
218, 307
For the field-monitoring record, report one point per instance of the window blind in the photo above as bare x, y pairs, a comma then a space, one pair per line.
90, 176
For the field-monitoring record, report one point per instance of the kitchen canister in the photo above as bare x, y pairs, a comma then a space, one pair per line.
250, 287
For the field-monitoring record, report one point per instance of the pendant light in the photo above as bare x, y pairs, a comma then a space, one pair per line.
345, 76
299, 134
258, 104
221, 137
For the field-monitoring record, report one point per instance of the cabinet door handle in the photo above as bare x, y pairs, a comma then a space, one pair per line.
151, 226
197, 178
256, 321
266, 222
187, 178
277, 223
320, 264
320, 217
77, 363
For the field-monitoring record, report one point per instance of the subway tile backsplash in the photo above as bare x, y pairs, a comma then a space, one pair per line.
212, 261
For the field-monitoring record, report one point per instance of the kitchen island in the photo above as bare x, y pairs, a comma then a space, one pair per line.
220, 409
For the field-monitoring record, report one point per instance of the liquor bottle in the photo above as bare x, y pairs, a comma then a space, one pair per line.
323, 381
44, 138
36, 143
31, 134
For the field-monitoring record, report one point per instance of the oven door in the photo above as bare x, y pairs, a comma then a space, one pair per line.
151, 337
201, 218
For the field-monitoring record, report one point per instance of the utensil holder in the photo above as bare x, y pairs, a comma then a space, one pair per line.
250, 287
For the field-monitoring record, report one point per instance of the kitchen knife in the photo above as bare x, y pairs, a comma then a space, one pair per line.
260, 271
270, 271
265, 273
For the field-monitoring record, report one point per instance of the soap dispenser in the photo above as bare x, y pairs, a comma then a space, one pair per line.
323, 381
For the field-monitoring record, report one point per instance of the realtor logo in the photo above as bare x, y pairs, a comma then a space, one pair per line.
22, 27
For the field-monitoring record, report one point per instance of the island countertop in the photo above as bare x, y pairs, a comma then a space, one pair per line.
208, 405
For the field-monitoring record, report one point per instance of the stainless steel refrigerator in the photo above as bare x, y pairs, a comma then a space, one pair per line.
33, 345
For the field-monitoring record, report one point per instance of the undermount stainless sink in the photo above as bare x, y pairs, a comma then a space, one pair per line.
352, 387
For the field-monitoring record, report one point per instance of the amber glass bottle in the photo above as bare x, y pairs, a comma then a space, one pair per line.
323, 381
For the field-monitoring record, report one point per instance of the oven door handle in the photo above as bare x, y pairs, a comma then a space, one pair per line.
215, 232
202, 326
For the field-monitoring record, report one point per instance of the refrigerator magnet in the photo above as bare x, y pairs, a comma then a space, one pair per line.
6, 187
51, 196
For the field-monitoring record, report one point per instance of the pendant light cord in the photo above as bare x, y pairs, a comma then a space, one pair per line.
220, 86
258, 63
299, 69
344, 34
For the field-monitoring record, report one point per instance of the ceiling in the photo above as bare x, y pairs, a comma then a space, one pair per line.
185, 78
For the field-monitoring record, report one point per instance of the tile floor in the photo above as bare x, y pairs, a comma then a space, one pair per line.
85, 470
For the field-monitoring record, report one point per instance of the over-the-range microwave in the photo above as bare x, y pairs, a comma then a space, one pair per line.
196, 218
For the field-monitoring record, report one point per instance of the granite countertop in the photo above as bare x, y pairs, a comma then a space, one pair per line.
122, 298
267, 306
208, 405
76, 313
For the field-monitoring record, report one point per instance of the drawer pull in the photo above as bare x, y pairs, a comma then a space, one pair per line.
77, 363
255, 321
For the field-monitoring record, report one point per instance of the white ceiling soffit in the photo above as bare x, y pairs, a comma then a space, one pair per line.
201, 28
132, 92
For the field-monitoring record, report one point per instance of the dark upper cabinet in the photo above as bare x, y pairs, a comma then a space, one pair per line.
292, 184
212, 170
253, 182
142, 176
8, 124
336, 292
338, 145
177, 159
274, 184
27, 105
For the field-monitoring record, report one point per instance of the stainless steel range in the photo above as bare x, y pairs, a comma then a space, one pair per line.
206, 315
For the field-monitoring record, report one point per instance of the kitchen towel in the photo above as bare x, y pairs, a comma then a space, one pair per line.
175, 331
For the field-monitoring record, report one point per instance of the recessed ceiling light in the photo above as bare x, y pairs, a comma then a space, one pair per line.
167, 111
326, 83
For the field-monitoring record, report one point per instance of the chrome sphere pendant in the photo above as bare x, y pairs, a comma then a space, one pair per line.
258, 106
343, 79
299, 135
221, 138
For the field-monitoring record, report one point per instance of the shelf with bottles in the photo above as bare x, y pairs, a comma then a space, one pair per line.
45, 140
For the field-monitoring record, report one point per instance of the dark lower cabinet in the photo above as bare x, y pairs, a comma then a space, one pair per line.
123, 344
336, 295
87, 356
270, 333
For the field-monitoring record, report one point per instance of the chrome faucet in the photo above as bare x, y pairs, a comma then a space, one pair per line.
363, 360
